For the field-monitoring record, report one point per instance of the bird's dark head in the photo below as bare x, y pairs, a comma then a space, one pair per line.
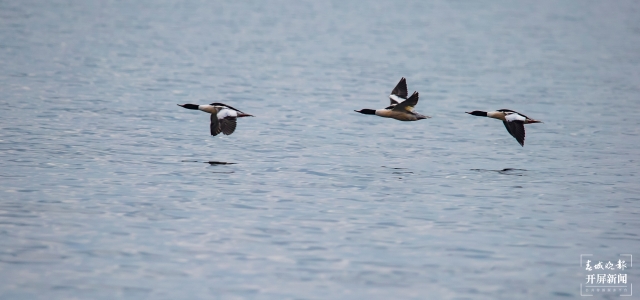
366, 111
478, 113
189, 106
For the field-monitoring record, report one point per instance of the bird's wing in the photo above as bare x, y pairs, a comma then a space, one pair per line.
395, 99
228, 125
215, 125
516, 129
227, 106
513, 112
409, 104
399, 93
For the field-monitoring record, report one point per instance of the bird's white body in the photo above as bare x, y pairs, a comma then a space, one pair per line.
510, 117
208, 108
225, 112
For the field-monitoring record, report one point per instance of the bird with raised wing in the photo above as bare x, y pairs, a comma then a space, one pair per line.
401, 108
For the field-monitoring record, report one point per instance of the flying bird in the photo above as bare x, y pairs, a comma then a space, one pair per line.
512, 120
223, 117
401, 108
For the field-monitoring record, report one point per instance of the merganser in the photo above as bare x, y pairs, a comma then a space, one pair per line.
223, 117
512, 120
401, 108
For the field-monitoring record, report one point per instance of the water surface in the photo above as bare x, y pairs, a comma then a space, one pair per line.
106, 190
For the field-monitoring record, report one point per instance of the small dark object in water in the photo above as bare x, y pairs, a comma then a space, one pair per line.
399, 172
220, 163
394, 168
510, 169
506, 171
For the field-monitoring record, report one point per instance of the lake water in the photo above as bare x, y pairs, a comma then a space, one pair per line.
105, 191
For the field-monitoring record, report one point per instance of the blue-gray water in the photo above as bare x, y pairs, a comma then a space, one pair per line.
105, 193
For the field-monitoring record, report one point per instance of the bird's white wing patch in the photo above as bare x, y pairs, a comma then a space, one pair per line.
514, 117
225, 112
396, 98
